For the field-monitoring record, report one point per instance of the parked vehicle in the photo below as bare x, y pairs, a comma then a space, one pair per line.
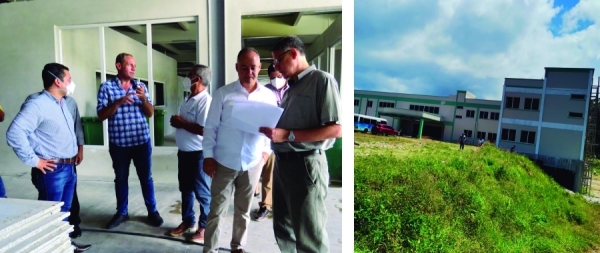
385, 130
365, 123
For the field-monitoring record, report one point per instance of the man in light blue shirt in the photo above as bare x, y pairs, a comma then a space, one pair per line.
42, 136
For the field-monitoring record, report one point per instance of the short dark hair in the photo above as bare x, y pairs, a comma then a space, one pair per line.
121, 57
246, 50
52, 71
271, 69
288, 42
204, 73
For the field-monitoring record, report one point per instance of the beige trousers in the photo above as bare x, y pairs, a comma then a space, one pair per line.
241, 185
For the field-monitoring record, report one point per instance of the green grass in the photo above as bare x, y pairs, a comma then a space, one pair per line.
426, 196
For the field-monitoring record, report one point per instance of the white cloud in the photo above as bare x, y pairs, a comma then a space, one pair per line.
488, 40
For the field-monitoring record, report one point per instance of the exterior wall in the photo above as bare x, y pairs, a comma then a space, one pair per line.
528, 83
557, 134
557, 108
560, 143
519, 146
447, 106
567, 78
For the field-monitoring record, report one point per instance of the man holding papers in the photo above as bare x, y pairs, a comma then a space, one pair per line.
234, 150
309, 125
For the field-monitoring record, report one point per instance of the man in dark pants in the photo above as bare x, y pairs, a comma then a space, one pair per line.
74, 218
193, 182
126, 103
308, 126
461, 140
2, 189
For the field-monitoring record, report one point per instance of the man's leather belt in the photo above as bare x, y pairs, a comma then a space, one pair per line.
65, 160
289, 155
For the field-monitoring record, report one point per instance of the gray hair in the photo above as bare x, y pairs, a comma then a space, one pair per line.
204, 72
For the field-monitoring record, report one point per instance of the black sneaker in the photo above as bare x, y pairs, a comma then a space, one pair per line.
261, 214
155, 219
116, 220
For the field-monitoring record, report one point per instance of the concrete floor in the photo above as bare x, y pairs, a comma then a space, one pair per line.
96, 194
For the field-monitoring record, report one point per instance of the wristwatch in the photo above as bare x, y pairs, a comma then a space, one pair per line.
291, 137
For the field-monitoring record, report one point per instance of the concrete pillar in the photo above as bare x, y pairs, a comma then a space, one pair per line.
216, 20
421, 121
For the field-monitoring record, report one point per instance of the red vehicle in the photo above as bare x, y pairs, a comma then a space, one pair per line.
384, 130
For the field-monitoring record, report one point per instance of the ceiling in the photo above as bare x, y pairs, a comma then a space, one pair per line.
177, 40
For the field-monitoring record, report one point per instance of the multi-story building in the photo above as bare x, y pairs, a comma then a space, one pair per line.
547, 117
433, 117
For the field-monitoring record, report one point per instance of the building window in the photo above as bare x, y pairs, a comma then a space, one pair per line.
578, 96
422, 108
492, 136
369, 103
483, 115
459, 116
387, 104
480, 135
575, 114
508, 134
459, 107
512, 102
356, 102
469, 133
494, 115
528, 137
532, 104
470, 114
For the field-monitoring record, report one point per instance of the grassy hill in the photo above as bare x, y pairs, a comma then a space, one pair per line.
426, 196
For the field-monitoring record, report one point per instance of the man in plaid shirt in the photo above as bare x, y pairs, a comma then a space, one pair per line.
126, 103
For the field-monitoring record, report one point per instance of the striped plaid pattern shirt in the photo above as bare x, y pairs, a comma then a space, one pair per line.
42, 129
128, 126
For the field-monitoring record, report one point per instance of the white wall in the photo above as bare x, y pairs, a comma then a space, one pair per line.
28, 32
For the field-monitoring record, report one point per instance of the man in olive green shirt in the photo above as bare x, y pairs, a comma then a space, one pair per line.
308, 126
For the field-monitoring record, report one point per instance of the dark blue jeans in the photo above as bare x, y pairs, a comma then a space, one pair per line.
142, 160
193, 182
2, 190
57, 185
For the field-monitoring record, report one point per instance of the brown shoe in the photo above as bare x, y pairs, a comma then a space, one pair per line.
182, 228
198, 237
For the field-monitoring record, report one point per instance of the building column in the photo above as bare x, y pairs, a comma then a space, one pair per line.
421, 121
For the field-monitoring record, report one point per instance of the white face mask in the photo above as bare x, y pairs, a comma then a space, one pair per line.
70, 88
278, 82
187, 83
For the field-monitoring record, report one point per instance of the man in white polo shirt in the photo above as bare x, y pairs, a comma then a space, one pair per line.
189, 135
234, 158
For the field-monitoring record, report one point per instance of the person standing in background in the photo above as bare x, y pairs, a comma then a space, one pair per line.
193, 181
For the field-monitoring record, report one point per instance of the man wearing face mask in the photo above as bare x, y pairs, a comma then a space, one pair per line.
125, 102
193, 181
278, 85
74, 218
43, 136
234, 158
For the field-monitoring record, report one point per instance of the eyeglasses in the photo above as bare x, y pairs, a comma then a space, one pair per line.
278, 59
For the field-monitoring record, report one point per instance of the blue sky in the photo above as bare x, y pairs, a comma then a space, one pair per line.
435, 47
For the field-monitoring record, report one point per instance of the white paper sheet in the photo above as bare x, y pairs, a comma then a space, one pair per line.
248, 116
